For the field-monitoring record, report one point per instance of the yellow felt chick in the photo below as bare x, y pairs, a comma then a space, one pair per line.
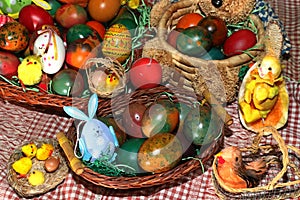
22, 166
44, 152
29, 150
30, 70
36, 177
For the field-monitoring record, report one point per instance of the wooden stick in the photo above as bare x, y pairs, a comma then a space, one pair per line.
75, 164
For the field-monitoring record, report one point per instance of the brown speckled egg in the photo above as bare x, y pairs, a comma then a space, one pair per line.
13, 36
160, 153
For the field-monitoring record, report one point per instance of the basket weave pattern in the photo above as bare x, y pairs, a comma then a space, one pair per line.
183, 169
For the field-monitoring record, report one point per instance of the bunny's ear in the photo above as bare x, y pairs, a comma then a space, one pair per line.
93, 105
75, 113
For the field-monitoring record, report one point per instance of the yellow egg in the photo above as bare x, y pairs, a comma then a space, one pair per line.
117, 43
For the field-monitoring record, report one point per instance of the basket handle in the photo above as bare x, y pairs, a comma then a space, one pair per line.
265, 131
75, 164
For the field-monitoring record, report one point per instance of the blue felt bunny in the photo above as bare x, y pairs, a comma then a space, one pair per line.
95, 139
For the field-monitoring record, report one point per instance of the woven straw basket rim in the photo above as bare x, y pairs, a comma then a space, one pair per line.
22, 186
111, 65
187, 6
181, 170
192, 68
270, 190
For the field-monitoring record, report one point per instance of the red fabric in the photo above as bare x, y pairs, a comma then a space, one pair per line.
18, 124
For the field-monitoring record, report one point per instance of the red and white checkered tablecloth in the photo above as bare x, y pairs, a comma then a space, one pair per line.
18, 125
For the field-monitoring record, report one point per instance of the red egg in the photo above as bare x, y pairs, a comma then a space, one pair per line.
33, 17
132, 119
70, 14
217, 27
145, 73
238, 42
8, 64
4, 19
97, 26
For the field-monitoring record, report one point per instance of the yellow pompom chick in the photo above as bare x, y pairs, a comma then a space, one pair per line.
36, 177
22, 166
111, 81
29, 150
30, 70
44, 151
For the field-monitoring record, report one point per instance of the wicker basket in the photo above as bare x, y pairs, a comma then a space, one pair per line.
144, 97
282, 180
22, 186
105, 66
203, 74
38, 101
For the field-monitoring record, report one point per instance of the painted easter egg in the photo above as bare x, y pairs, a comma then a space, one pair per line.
4, 19
127, 154
194, 41
160, 117
70, 14
239, 42
67, 82
52, 50
120, 134
103, 10
13, 36
80, 31
80, 50
217, 27
160, 153
117, 43
98, 139
33, 17
132, 119
202, 125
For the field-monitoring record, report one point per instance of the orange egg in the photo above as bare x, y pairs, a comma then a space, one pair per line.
103, 10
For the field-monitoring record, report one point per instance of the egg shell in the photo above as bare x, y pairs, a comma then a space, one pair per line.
132, 119
4, 19
13, 36
117, 43
160, 153
238, 42
52, 51
161, 116
127, 153
51, 164
68, 82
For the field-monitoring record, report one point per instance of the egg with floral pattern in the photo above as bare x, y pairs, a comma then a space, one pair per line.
13, 36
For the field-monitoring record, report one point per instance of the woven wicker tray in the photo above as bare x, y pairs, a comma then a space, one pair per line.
22, 186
